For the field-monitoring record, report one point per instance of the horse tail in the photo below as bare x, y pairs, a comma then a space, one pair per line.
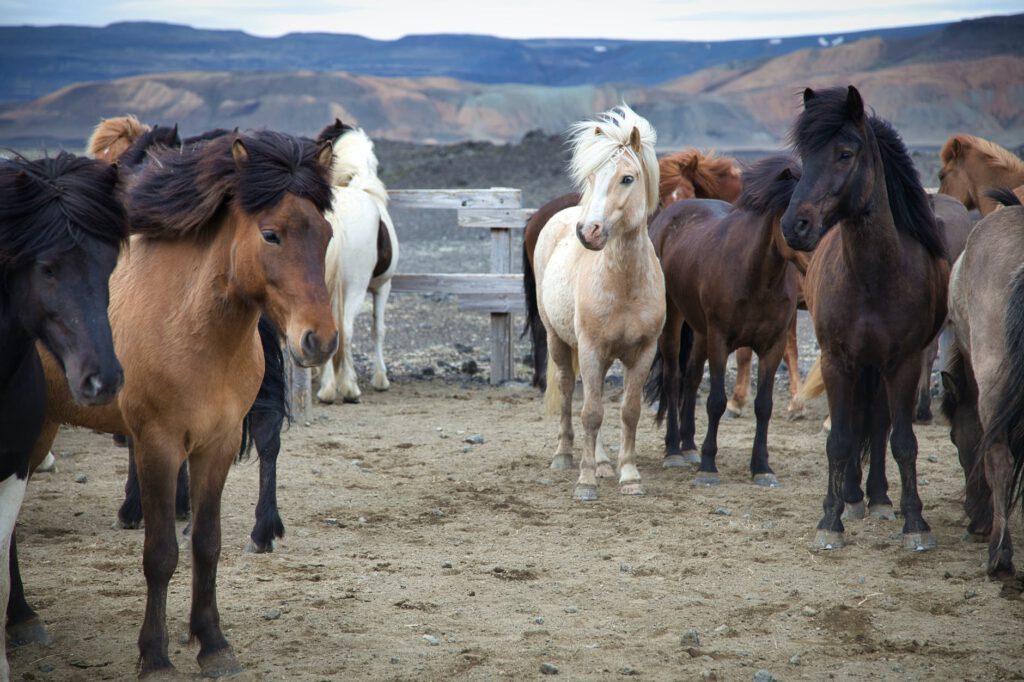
272, 396
1004, 195
552, 396
654, 388
814, 384
1007, 424
534, 326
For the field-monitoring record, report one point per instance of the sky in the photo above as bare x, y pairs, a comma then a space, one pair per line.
624, 19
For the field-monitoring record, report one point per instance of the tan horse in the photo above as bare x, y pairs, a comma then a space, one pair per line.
972, 165
600, 290
113, 136
228, 228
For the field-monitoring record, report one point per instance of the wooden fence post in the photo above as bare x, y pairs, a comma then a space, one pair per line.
300, 390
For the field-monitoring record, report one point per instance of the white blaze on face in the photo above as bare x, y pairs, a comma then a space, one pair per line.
599, 198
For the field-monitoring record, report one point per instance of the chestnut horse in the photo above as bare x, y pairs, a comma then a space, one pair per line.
984, 378
730, 282
876, 290
600, 291
683, 175
972, 165
222, 231
61, 225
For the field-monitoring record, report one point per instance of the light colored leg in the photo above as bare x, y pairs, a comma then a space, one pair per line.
605, 467
328, 392
592, 369
635, 375
348, 382
561, 359
738, 401
380, 370
12, 493
795, 408
48, 465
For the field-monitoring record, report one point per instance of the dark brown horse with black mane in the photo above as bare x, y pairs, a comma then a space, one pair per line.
61, 226
730, 282
876, 289
222, 232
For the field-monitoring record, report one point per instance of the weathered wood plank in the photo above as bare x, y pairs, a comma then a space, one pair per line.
466, 283
495, 197
510, 218
300, 390
501, 348
492, 303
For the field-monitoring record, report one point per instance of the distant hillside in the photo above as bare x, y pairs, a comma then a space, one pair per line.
964, 77
35, 61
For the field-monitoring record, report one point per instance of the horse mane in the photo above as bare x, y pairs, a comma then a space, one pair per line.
708, 174
112, 136
995, 156
355, 163
1004, 196
596, 141
179, 195
54, 200
826, 115
766, 191
157, 136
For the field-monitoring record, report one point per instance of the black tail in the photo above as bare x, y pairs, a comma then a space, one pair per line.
654, 389
272, 396
1007, 424
534, 326
1004, 195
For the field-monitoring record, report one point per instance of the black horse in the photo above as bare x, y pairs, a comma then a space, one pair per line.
61, 227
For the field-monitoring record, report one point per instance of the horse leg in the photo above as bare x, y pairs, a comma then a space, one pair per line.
923, 414
738, 401
12, 493
843, 443
129, 516
998, 470
767, 364
795, 408
266, 431
632, 399
717, 355
901, 387
208, 469
380, 370
592, 369
879, 504
181, 496
348, 380
328, 391
691, 382
158, 465
561, 355
668, 344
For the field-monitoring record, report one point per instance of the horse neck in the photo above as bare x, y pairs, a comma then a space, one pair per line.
871, 244
627, 254
989, 177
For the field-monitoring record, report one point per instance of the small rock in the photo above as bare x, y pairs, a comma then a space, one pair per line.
808, 611
764, 676
571, 609
431, 640
395, 660
722, 511
548, 669
708, 675
897, 668
470, 367
331, 521
446, 564
46, 668
691, 638
794, 659
932, 457
629, 671
970, 594
723, 630
539, 620
428, 371
81, 478
271, 614
626, 568
475, 439
316, 471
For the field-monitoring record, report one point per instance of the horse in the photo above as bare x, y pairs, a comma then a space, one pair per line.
984, 377
876, 290
221, 231
971, 165
363, 255
600, 290
683, 175
730, 282
61, 226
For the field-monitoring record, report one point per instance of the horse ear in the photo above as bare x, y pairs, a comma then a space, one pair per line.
809, 95
634, 139
326, 155
692, 165
338, 124
957, 147
854, 104
239, 152
598, 131
786, 174
949, 385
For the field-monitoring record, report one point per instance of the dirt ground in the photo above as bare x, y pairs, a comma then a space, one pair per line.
398, 529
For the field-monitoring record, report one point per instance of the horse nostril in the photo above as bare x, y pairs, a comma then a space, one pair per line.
92, 385
802, 225
309, 344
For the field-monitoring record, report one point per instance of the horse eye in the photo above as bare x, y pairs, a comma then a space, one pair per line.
942, 176
271, 237
47, 270
845, 155
627, 179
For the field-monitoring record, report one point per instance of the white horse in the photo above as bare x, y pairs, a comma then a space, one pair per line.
600, 289
363, 255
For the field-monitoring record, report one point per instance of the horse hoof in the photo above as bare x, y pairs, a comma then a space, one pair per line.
826, 426
828, 539
632, 488
766, 480
884, 512
380, 385
706, 478
684, 459
326, 397
48, 465
919, 542
561, 462
219, 664
584, 492
732, 411
254, 547
854, 510
31, 631
352, 399
605, 470
120, 524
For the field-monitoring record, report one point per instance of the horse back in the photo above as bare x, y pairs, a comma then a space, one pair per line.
953, 221
540, 218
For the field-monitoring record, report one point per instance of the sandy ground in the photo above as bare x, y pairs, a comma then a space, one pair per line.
398, 529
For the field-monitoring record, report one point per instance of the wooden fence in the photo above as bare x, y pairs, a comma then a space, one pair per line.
498, 292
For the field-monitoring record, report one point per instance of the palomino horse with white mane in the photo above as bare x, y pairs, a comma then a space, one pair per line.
600, 289
363, 255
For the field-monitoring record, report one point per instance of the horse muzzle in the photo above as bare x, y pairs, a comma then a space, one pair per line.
99, 387
593, 236
313, 349
800, 231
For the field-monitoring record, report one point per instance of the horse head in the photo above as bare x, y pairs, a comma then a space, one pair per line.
954, 179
